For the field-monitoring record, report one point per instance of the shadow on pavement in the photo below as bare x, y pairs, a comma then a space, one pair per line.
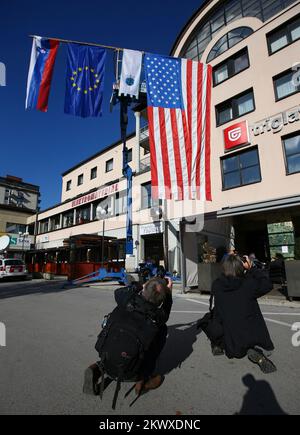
30, 288
259, 399
179, 346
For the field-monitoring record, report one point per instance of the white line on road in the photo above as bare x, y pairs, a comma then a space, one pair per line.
278, 323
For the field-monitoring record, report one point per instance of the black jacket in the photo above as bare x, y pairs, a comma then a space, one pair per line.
127, 296
238, 310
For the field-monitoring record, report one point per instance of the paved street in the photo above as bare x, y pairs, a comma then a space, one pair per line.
51, 334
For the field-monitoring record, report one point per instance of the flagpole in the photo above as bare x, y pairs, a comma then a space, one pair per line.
109, 47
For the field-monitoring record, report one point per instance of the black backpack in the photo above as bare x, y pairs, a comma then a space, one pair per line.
122, 343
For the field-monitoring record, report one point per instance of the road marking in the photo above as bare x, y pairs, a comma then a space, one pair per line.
189, 312
278, 323
198, 302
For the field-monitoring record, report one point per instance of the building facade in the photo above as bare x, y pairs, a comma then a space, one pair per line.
253, 48
18, 202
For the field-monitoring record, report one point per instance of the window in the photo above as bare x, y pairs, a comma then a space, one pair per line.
235, 107
129, 155
44, 226
55, 222
228, 41
284, 35
292, 153
146, 199
146, 195
233, 65
241, 169
227, 12
69, 183
94, 173
109, 166
13, 228
68, 219
83, 214
106, 204
121, 203
80, 180
285, 85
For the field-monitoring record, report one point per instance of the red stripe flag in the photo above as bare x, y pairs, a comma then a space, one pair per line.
179, 98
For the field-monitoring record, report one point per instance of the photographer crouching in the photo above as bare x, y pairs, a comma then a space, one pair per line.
237, 324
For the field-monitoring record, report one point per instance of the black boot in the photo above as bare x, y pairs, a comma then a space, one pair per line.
91, 378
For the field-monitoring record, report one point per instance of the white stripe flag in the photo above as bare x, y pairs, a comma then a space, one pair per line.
131, 73
179, 98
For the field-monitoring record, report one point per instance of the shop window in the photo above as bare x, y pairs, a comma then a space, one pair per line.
83, 215
232, 66
292, 153
281, 239
106, 204
284, 35
68, 219
13, 228
241, 169
80, 180
109, 166
69, 185
94, 173
285, 84
235, 107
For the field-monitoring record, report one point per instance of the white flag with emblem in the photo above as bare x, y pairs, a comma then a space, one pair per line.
131, 73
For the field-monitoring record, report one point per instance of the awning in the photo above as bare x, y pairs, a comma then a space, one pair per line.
274, 204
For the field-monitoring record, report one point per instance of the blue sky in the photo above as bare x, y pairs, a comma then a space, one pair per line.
36, 146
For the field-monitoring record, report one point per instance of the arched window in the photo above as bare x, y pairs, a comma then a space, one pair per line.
229, 40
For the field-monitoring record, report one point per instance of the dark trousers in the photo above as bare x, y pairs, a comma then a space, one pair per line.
152, 354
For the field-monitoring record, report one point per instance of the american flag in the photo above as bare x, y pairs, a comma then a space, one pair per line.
179, 96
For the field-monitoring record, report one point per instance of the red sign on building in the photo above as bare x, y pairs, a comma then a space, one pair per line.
236, 135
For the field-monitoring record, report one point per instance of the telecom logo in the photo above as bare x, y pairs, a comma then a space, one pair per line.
236, 135
2, 335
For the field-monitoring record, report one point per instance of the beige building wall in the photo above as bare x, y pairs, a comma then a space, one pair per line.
275, 183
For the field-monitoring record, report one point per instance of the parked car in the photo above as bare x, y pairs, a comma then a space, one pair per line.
12, 268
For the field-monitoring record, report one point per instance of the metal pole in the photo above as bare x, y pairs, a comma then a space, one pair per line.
102, 254
183, 263
109, 47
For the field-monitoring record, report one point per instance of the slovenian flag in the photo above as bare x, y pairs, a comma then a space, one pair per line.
43, 55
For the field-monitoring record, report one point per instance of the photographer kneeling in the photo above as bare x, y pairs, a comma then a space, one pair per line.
133, 336
236, 308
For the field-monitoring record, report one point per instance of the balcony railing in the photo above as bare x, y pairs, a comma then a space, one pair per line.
144, 133
145, 163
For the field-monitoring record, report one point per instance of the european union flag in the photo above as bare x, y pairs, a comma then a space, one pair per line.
85, 80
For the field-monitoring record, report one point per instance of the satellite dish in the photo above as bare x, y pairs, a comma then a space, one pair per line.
4, 242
